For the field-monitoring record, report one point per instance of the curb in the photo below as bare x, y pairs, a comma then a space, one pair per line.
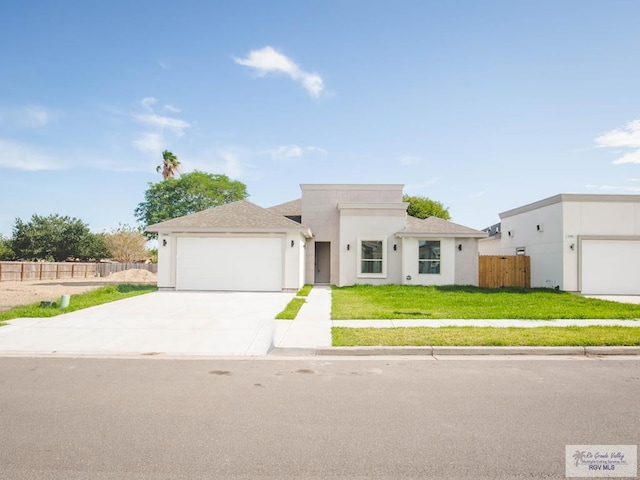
442, 351
293, 351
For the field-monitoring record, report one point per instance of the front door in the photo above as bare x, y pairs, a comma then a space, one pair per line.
323, 262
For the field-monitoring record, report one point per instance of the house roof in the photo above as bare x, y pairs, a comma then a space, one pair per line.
572, 197
437, 226
291, 209
231, 217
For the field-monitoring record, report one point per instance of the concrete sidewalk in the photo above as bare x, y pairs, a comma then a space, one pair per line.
312, 326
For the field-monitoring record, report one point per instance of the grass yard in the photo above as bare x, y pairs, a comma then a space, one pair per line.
98, 296
487, 336
290, 312
460, 302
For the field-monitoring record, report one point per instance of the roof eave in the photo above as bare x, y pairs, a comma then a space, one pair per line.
439, 235
229, 230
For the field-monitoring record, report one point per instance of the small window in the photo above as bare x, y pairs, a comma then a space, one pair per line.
521, 251
372, 257
429, 257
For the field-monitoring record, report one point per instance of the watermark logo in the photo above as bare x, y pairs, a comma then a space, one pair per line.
601, 461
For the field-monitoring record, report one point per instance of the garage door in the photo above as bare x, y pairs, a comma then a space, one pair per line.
611, 267
249, 264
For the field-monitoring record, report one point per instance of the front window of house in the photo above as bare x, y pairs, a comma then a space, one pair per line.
372, 257
429, 256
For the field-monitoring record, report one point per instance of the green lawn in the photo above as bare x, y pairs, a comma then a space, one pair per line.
486, 336
98, 296
460, 302
290, 312
304, 291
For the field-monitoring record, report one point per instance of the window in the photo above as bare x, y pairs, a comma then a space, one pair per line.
372, 257
429, 256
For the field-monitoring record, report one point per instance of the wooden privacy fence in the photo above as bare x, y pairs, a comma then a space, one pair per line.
495, 271
23, 271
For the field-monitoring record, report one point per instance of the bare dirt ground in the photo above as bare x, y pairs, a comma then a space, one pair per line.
13, 294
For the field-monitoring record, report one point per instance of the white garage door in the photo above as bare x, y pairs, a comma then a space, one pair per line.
249, 264
611, 267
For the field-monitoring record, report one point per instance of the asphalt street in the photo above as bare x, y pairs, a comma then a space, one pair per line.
316, 418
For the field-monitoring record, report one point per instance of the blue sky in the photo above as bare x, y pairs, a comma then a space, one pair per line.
482, 105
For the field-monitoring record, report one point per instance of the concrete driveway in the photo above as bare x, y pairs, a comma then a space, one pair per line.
159, 323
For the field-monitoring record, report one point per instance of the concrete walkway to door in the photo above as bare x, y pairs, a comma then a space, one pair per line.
312, 326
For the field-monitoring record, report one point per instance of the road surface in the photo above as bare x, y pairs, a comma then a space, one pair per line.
65, 418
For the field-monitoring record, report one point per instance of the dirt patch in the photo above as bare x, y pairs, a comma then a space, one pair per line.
14, 294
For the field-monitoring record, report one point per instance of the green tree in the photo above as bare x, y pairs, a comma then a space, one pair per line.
56, 238
127, 244
191, 193
6, 250
423, 207
170, 165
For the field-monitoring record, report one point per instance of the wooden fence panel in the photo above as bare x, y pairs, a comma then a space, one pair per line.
496, 271
32, 271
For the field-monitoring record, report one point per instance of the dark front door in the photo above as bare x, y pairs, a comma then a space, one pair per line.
323, 262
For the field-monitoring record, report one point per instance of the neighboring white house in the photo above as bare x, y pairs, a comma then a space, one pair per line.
334, 234
581, 243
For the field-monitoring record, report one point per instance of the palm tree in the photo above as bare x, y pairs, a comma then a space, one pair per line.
579, 456
170, 165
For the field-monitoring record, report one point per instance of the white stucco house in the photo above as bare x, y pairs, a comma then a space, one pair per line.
334, 234
585, 243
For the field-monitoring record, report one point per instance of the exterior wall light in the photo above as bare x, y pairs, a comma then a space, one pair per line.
292, 243
348, 247
164, 242
460, 247
395, 247
572, 246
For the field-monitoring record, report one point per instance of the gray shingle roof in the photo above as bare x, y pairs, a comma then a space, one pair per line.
236, 216
437, 226
292, 208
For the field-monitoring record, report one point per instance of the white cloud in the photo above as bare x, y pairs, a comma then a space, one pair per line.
269, 60
35, 116
410, 160
627, 137
151, 143
153, 140
229, 161
172, 109
163, 65
23, 157
148, 103
288, 152
231, 166
477, 194
631, 157
176, 125
30, 116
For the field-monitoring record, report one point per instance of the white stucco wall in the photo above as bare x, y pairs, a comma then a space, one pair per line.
572, 217
490, 246
410, 262
544, 246
166, 261
356, 225
293, 261
320, 213
466, 261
